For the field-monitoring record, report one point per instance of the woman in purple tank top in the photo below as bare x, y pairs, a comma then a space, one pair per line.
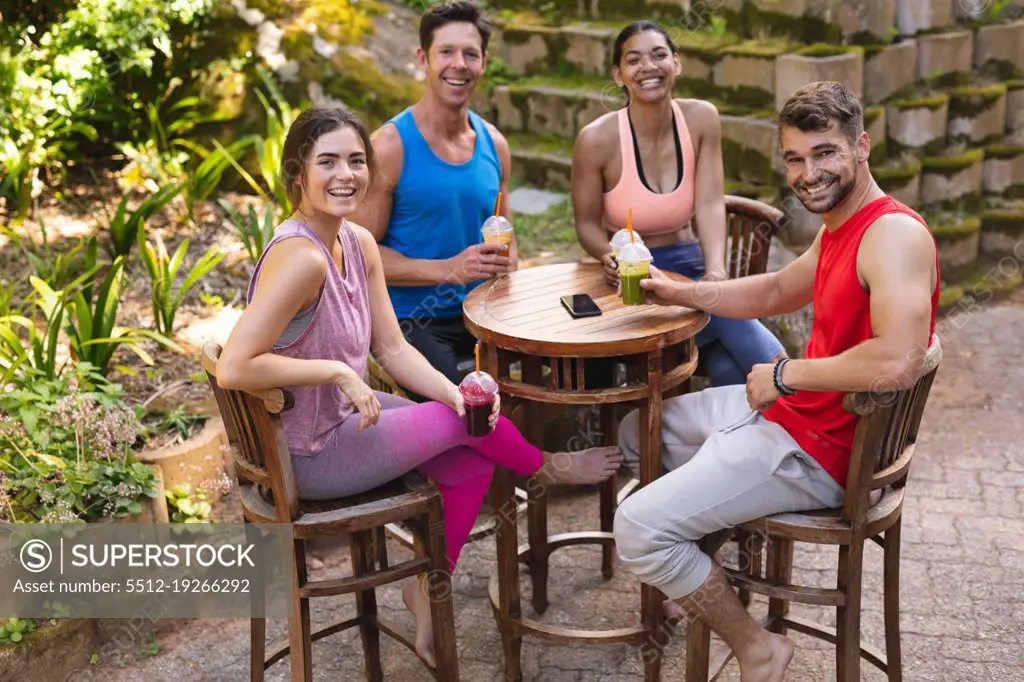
317, 305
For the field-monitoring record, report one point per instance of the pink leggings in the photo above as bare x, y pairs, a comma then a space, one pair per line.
429, 437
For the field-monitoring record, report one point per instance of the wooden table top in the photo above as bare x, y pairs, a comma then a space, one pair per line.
522, 311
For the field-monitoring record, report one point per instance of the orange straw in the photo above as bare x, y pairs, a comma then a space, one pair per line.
478, 344
629, 225
497, 206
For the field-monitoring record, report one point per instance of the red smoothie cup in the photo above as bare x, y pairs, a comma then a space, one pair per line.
478, 391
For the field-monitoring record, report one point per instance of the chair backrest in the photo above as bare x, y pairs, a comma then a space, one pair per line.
750, 226
883, 445
256, 436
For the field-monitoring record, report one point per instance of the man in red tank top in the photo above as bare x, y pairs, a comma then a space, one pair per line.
782, 443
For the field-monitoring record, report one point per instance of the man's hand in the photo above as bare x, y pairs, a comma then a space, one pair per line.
761, 391
661, 289
611, 269
480, 261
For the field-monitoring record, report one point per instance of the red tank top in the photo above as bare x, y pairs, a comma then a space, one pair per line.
842, 319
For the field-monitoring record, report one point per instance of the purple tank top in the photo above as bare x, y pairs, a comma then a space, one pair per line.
338, 330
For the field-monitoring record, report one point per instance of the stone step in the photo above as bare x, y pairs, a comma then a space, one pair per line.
1003, 170
542, 161
989, 279
1002, 231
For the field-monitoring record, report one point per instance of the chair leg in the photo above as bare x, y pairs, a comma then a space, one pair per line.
299, 633
258, 649
362, 548
698, 651
442, 608
891, 596
780, 572
848, 616
257, 614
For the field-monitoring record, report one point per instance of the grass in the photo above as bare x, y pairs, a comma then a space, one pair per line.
552, 231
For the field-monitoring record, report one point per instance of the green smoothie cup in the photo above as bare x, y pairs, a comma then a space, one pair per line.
620, 239
634, 266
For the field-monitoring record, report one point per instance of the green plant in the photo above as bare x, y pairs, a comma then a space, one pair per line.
15, 629
56, 268
91, 327
163, 271
125, 226
187, 506
255, 232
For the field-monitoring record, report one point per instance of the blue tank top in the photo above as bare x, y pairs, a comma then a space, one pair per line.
437, 211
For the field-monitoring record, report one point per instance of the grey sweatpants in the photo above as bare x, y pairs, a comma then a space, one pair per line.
725, 464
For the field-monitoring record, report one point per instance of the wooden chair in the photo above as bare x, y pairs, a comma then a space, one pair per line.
268, 495
749, 228
883, 450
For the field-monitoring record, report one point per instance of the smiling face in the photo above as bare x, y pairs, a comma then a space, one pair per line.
822, 167
648, 67
335, 175
455, 62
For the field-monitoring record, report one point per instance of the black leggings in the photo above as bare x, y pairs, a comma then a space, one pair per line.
442, 341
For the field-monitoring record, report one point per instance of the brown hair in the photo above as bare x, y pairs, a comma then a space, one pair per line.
450, 12
308, 127
817, 106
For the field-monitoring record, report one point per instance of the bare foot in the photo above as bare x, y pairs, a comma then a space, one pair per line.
416, 601
768, 661
592, 465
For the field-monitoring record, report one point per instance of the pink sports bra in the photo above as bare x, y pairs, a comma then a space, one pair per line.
653, 213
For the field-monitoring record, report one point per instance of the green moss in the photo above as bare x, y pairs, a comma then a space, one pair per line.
766, 193
540, 143
806, 28
1015, 84
950, 296
894, 177
932, 101
953, 227
969, 102
747, 96
827, 50
701, 88
376, 96
746, 164
1005, 220
951, 79
951, 165
871, 115
992, 281
759, 49
879, 153
703, 43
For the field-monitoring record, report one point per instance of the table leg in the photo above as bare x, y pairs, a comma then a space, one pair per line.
607, 493
652, 616
537, 509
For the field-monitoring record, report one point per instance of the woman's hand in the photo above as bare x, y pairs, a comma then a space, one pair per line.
458, 403
611, 269
361, 395
455, 400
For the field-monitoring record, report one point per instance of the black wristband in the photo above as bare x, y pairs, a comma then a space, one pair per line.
777, 378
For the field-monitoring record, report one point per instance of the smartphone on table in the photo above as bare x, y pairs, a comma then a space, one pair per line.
580, 305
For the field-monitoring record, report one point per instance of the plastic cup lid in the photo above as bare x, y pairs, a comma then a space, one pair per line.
497, 223
478, 388
633, 253
621, 238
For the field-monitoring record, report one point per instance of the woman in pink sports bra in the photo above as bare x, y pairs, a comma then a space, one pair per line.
656, 156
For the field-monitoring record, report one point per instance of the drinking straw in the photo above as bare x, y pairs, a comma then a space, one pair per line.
629, 225
497, 206
477, 350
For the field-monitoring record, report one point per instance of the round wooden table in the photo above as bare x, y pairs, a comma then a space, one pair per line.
520, 322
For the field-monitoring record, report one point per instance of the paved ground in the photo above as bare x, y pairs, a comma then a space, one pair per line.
963, 551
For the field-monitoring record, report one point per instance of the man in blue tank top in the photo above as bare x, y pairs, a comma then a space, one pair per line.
441, 168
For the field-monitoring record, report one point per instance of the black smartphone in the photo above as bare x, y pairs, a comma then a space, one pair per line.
581, 305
